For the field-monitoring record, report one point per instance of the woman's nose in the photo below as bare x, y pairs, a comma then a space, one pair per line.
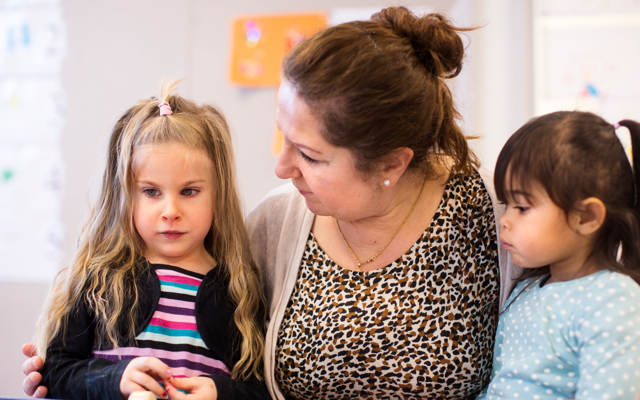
285, 166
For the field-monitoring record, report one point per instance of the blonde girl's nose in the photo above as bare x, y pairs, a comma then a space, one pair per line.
171, 210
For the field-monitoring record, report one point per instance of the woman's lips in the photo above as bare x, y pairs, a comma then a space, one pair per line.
172, 234
302, 192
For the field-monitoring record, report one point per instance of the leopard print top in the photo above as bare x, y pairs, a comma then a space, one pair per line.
421, 327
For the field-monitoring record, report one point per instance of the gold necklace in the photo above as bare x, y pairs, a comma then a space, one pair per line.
392, 237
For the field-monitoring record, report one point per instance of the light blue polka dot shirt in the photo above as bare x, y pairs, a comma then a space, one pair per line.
569, 340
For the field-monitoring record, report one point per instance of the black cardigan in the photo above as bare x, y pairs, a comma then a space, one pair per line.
70, 373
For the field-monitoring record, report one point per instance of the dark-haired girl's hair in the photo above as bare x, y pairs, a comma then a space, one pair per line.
379, 85
575, 155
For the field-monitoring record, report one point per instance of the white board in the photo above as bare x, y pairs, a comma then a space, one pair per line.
587, 58
33, 47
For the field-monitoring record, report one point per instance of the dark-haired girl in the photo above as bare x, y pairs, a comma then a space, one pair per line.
571, 328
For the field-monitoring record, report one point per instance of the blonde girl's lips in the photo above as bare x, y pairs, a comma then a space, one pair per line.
172, 234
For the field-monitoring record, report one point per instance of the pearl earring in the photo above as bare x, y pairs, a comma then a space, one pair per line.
386, 182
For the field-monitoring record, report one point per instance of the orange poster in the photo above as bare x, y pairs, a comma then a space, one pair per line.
260, 42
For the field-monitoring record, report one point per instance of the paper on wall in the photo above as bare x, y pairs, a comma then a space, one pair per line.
32, 108
32, 114
583, 60
33, 39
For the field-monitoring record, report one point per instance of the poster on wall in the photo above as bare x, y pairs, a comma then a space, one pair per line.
259, 43
583, 57
33, 46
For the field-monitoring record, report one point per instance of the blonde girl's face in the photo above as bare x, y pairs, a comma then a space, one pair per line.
536, 232
173, 204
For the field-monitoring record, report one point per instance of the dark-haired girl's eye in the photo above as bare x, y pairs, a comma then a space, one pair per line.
522, 208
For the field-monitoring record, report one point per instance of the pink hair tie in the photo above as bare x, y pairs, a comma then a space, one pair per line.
165, 108
616, 125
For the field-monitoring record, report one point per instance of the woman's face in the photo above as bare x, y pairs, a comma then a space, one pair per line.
324, 174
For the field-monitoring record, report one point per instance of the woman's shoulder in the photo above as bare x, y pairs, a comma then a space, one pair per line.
276, 203
472, 193
468, 206
282, 207
477, 182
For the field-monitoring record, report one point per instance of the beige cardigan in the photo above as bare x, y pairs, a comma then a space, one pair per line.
279, 227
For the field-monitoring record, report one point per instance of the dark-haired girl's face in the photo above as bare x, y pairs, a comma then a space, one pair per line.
536, 232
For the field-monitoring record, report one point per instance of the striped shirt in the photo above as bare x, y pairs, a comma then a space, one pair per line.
172, 335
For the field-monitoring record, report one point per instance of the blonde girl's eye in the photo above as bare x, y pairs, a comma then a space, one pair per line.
151, 192
188, 192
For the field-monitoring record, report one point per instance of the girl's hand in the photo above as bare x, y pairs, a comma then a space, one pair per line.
143, 373
200, 388
30, 369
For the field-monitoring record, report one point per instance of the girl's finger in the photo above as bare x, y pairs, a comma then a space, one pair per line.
184, 383
33, 364
31, 382
29, 349
152, 364
131, 387
175, 394
155, 376
41, 392
147, 383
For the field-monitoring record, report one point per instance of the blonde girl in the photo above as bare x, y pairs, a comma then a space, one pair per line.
571, 327
163, 284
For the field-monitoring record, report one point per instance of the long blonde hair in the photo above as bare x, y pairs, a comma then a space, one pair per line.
110, 249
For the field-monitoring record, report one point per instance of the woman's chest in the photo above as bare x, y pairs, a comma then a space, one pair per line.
423, 326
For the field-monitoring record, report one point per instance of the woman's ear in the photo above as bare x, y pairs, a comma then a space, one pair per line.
395, 163
591, 216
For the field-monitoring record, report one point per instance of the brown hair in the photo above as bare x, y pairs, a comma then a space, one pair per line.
110, 250
575, 155
379, 85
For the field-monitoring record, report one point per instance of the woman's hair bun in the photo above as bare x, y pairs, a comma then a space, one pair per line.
433, 37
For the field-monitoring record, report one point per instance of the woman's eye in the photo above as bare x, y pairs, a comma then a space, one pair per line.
151, 192
307, 158
188, 192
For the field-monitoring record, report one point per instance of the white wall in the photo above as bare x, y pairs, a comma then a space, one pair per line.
119, 50
502, 67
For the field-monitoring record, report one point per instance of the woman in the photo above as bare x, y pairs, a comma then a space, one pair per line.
381, 261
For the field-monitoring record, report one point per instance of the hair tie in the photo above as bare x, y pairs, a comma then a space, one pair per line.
165, 108
616, 125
